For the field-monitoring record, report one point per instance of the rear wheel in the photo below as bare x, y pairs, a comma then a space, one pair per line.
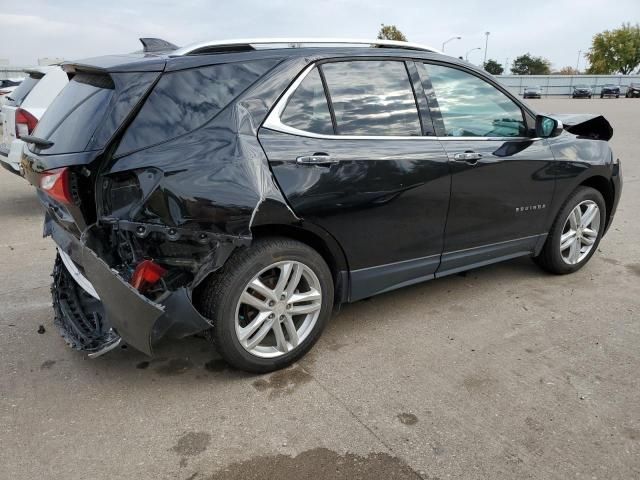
575, 234
269, 305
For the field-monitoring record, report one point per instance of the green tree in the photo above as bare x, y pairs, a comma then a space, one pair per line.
527, 64
493, 67
615, 51
390, 32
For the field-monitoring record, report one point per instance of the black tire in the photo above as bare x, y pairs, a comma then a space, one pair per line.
550, 257
78, 317
218, 297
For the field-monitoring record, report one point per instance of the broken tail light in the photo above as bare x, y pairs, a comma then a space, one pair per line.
25, 123
146, 275
55, 183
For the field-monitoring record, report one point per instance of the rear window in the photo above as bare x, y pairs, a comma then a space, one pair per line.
185, 100
307, 108
16, 97
76, 113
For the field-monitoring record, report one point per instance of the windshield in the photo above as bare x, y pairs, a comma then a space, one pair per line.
16, 97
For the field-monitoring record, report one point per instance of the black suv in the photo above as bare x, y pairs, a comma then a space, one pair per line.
633, 90
610, 90
581, 91
246, 192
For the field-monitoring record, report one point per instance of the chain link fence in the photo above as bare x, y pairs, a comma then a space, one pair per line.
562, 85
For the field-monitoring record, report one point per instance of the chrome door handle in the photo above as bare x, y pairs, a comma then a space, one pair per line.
467, 157
317, 159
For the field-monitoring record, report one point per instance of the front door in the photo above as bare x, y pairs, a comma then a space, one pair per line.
347, 147
501, 177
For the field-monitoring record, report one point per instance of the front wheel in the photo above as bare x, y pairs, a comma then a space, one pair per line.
269, 304
575, 233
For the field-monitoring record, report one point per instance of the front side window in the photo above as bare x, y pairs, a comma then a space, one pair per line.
307, 109
471, 107
372, 98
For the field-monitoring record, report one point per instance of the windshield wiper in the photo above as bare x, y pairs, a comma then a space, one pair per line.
37, 141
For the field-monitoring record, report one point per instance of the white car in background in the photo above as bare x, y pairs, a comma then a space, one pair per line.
24, 107
7, 86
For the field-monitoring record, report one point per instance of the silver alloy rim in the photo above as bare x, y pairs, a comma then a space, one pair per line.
580, 232
278, 309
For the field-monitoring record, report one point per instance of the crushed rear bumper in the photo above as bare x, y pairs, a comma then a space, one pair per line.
139, 321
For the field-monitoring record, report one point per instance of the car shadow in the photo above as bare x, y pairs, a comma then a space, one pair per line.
194, 360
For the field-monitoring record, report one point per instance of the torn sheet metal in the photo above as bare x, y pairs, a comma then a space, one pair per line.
591, 126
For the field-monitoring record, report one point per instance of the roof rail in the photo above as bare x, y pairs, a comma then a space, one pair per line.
251, 43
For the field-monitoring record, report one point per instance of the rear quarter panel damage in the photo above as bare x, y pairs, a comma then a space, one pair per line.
203, 193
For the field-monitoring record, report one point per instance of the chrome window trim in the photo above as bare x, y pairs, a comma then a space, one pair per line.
273, 122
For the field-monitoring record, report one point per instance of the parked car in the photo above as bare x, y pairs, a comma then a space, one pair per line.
6, 87
633, 90
10, 82
23, 108
581, 91
246, 192
532, 92
4, 92
610, 90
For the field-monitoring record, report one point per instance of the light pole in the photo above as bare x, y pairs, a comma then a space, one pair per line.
466, 57
452, 38
486, 43
578, 62
506, 65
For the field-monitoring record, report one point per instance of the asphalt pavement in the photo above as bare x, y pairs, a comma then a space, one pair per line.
505, 372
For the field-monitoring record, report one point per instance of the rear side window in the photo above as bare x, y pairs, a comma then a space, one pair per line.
187, 99
16, 97
307, 109
75, 114
471, 107
371, 97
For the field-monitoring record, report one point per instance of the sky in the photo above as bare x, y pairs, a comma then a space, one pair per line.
74, 29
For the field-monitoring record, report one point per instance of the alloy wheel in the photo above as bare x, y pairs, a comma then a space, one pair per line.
278, 309
580, 232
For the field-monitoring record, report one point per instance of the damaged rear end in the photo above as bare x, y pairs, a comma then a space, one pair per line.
149, 175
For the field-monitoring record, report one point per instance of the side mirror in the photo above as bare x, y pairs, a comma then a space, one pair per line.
548, 127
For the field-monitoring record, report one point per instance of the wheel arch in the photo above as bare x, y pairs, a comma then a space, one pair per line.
606, 189
322, 242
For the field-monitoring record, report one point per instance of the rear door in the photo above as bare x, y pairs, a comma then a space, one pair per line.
354, 154
502, 179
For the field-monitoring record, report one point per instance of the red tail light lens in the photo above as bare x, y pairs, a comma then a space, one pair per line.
146, 274
25, 123
55, 183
